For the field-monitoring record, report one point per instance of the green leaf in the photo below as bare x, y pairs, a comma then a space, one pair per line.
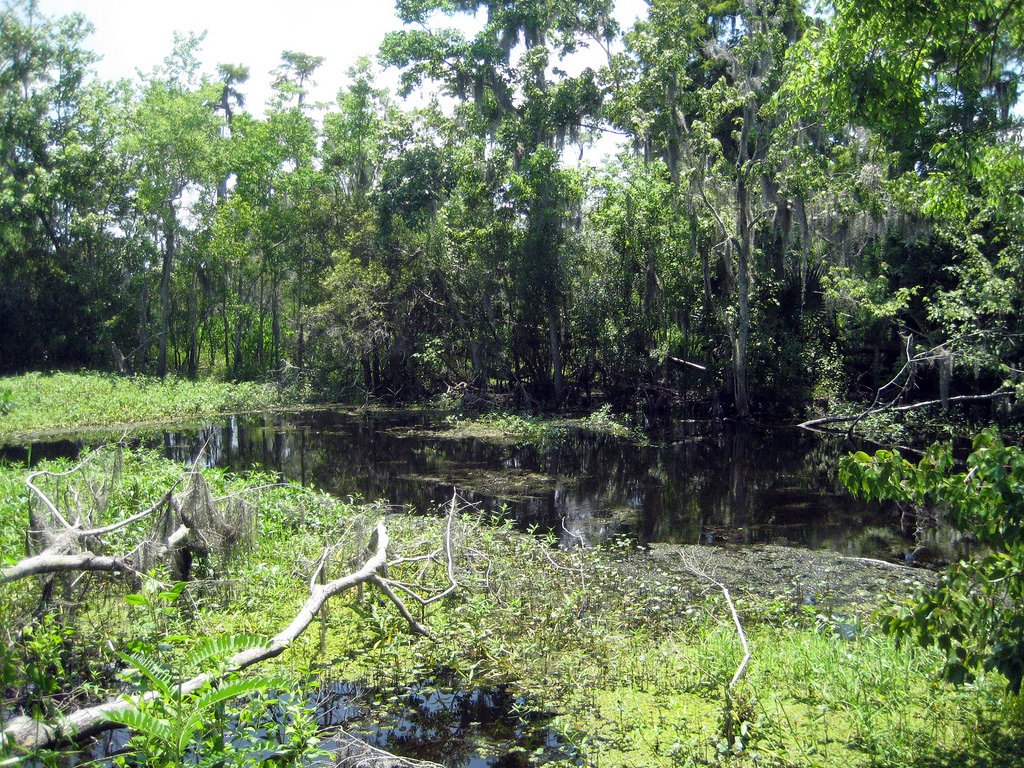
158, 678
145, 723
219, 647
209, 697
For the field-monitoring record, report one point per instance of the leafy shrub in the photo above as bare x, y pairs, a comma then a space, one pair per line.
975, 614
173, 728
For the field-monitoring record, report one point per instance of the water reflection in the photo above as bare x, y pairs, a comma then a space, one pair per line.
442, 722
697, 482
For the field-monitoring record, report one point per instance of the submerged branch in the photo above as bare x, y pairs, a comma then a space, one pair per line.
353, 752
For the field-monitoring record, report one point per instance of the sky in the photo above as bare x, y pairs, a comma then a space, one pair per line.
138, 34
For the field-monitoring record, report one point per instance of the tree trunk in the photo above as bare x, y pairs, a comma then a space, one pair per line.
554, 337
742, 333
165, 295
236, 368
227, 336
275, 322
259, 338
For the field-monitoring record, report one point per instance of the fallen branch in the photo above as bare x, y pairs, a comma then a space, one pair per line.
687, 364
816, 423
941, 353
56, 559
453, 583
63, 551
702, 573
873, 561
385, 587
27, 733
54, 563
728, 710
353, 752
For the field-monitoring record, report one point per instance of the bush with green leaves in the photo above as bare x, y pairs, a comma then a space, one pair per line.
975, 614
172, 726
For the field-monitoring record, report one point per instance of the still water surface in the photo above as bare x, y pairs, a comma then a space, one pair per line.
691, 482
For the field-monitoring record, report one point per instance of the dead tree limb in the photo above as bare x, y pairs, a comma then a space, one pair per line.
55, 563
702, 572
448, 547
385, 587
26, 733
814, 424
352, 752
881, 403
728, 710
60, 558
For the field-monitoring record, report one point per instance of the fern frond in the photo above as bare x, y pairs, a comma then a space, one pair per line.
209, 697
146, 724
218, 647
158, 677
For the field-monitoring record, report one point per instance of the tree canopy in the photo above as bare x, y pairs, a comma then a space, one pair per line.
808, 203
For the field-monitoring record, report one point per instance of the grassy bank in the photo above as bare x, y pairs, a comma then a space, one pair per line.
39, 403
628, 659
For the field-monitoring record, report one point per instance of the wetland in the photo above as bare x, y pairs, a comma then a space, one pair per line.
588, 626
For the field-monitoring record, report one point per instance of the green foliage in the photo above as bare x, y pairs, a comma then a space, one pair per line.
59, 192
158, 605
155, 226
172, 727
975, 615
528, 426
602, 420
633, 655
526, 106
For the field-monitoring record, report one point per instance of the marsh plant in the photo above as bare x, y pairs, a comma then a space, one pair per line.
174, 723
6, 401
54, 401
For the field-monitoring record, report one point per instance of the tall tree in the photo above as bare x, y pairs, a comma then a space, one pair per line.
61, 194
173, 142
695, 88
528, 107
292, 77
231, 76
938, 91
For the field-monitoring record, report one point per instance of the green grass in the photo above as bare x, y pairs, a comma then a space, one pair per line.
39, 403
808, 700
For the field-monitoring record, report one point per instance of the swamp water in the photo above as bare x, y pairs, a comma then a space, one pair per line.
687, 483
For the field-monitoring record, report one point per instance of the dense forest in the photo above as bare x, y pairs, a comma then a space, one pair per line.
810, 204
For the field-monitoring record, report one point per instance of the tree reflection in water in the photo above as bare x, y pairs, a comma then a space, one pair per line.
695, 482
